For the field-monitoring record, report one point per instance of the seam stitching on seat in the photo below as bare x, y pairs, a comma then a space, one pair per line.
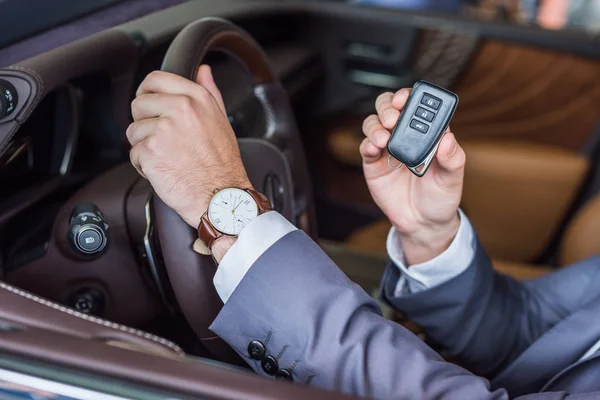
95, 320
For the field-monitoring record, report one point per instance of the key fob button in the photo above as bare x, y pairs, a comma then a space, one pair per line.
420, 126
424, 114
431, 101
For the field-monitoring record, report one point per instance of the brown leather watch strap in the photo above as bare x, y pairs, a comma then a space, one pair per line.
263, 203
207, 233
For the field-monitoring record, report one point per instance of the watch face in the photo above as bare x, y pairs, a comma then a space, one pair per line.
230, 210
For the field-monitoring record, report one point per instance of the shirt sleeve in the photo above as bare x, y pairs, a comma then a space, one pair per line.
255, 239
438, 270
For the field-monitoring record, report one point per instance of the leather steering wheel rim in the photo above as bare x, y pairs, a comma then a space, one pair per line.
190, 274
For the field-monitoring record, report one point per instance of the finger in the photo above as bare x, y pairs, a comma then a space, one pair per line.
369, 152
206, 79
387, 114
134, 157
389, 105
376, 132
140, 130
154, 105
451, 161
166, 82
400, 98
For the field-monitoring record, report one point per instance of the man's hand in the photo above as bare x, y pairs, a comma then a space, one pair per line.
183, 142
423, 210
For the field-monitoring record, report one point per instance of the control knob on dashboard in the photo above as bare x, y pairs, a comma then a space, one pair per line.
88, 232
8, 98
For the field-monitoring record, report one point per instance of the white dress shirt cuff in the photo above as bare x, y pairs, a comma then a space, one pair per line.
438, 270
255, 239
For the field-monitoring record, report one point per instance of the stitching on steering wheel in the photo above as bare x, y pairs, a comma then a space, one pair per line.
95, 320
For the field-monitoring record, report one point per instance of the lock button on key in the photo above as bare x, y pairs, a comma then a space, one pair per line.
424, 114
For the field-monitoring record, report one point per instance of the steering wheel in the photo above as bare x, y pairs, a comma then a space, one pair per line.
274, 161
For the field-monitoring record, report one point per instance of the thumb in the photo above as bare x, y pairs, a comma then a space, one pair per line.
451, 161
206, 79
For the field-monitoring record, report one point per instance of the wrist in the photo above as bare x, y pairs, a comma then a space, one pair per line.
428, 242
200, 200
221, 246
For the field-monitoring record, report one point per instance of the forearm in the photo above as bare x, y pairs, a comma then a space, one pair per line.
482, 317
329, 331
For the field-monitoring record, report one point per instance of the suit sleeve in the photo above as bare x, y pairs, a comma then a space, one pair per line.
486, 319
329, 333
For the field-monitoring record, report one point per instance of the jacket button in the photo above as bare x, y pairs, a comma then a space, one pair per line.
284, 374
256, 350
270, 365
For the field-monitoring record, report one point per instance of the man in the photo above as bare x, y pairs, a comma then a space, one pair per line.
283, 293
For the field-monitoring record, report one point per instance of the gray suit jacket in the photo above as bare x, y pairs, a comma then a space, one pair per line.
526, 336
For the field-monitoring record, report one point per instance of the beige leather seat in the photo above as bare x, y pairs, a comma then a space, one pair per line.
580, 241
371, 239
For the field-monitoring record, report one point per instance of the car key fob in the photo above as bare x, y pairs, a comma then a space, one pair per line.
421, 125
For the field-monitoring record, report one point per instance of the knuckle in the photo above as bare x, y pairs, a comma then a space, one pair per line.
153, 76
152, 144
164, 125
461, 157
382, 98
134, 107
363, 145
129, 132
458, 160
368, 122
183, 104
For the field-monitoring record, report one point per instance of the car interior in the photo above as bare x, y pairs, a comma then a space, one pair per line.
98, 276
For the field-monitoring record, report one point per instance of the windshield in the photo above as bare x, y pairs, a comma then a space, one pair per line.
23, 18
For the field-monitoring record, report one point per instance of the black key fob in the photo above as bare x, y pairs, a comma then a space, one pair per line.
421, 125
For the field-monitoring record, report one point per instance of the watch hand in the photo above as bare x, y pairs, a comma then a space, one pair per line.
235, 208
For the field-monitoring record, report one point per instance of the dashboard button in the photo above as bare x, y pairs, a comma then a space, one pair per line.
8, 98
88, 232
89, 240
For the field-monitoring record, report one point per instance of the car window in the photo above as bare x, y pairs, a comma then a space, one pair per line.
549, 14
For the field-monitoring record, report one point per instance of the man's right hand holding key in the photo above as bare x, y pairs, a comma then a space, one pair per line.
423, 210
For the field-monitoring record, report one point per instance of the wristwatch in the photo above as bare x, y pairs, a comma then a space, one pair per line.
229, 211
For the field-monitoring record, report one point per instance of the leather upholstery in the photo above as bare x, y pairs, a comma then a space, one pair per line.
207, 34
112, 53
190, 377
516, 194
512, 91
371, 240
582, 237
27, 310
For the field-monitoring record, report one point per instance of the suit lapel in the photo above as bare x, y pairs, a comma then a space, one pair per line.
556, 350
581, 377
